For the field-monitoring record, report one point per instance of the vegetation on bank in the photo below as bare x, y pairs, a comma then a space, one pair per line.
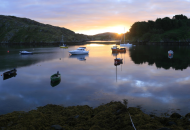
106, 36
23, 30
110, 116
161, 30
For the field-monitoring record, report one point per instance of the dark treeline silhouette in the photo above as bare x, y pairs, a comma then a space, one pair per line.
161, 30
158, 56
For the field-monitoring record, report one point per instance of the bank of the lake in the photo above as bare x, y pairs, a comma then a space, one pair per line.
111, 116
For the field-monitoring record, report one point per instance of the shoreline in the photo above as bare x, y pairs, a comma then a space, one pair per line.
113, 115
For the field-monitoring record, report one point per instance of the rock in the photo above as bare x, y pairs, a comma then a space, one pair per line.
164, 128
57, 127
175, 115
171, 123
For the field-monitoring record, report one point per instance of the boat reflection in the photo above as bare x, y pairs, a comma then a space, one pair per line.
170, 56
9, 76
116, 53
81, 57
55, 83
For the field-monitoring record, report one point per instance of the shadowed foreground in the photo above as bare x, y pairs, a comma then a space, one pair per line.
110, 116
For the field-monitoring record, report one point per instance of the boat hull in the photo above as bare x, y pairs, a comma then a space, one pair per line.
118, 50
63, 46
55, 77
26, 53
78, 53
55, 83
11, 72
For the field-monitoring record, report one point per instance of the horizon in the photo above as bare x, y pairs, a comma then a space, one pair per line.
91, 17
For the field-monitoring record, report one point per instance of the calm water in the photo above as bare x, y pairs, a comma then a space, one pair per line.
147, 78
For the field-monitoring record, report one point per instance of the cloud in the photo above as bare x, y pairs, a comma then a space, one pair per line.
81, 15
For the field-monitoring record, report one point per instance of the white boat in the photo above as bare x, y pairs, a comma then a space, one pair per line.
170, 52
80, 50
125, 44
25, 52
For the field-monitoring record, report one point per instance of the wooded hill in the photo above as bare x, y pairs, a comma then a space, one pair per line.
23, 30
106, 36
161, 30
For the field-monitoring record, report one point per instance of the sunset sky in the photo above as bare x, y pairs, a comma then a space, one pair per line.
94, 16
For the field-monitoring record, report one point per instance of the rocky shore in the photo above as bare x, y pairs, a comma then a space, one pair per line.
111, 116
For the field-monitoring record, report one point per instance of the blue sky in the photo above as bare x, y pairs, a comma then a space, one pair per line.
94, 16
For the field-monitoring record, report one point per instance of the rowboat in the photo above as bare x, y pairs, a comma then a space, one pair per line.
55, 77
9, 74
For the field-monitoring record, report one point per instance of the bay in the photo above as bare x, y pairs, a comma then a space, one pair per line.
148, 78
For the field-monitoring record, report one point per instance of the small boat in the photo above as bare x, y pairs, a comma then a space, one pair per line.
10, 72
25, 53
55, 77
115, 49
80, 50
170, 52
64, 46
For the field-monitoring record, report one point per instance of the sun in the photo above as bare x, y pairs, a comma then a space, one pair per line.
113, 29
117, 29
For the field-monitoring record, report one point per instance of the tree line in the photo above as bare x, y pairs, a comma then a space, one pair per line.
161, 30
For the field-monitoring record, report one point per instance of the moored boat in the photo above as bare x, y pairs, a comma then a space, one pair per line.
116, 49
25, 52
80, 50
64, 46
55, 77
10, 72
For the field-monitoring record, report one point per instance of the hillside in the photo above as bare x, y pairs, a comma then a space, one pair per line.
106, 36
161, 30
23, 30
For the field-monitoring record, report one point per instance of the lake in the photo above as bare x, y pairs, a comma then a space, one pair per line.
148, 78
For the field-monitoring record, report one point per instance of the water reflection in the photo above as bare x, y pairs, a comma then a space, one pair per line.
9, 76
158, 56
81, 57
94, 82
116, 53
